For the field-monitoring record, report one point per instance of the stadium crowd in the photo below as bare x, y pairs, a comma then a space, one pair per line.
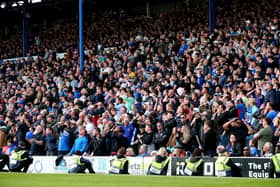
148, 83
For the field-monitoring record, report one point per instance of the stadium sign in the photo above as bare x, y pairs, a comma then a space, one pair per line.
250, 167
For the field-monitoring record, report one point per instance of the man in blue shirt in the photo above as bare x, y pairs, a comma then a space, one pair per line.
183, 47
81, 141
128, 129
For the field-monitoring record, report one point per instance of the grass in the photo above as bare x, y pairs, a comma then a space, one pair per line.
79, 180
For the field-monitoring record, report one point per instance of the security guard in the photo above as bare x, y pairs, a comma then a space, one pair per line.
225, 167
4, 160
194, 164
120, 164
78, 164
160, 163
275, 165
23, 160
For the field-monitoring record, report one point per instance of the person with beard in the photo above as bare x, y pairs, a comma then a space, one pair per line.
119, 165
159, 165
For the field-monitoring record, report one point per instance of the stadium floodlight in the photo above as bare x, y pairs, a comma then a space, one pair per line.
36, 1
3, 5
14, 4
20, 3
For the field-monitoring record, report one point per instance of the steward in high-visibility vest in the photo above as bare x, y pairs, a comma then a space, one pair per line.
78, 164
159, 165
119, 165
18, 155
22, 158
222, 169
225, 167
275, 163
194, 164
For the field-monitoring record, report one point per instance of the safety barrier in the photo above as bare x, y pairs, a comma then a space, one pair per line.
250, 166
58, 55
46, 164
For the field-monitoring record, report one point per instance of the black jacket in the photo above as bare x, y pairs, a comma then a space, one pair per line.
147, 138
97, 146
117, 141
160, 139
209, 143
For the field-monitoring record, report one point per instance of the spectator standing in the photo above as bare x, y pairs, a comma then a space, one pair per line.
38, 142
160, 137
264, 135
117, 140
64, 140
81, 141
96, 146
209, 139
51, 142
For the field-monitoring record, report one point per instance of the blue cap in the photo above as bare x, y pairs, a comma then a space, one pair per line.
137, 95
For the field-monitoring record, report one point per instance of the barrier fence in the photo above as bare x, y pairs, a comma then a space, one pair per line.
250, 167
58, 55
